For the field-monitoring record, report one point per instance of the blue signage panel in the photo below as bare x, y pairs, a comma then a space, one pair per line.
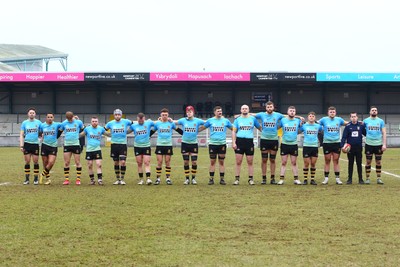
357, 77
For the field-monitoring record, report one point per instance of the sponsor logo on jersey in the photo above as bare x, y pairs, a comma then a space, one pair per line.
32, 130
190, 130
333, 129
245, 128
218, 128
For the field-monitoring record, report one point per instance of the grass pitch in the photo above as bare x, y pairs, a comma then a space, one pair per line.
132, 225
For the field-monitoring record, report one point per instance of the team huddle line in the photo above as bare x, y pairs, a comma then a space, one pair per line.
325, 132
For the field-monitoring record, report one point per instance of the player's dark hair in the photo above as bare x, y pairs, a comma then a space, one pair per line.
311, 113
217, 107
95, 117
331, 108
353, 113
270, 103
291, 107
164, 110
29, 109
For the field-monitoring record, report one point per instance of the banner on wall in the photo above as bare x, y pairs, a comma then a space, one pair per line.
200, 76
283, 77
101, 76
358, 77
41, 77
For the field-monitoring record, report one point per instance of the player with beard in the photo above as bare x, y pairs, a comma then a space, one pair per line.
331, 143
269, 139
375, 143
243, 143
29, 145
290, 130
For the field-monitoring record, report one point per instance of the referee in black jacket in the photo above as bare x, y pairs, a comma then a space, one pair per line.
353, 134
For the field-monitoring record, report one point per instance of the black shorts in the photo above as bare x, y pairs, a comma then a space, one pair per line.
217, 149
93, 155
73, 149
369, 150
310, 152
118, 150
269, 145
48, 150
189, 148
145, 151
331, 147
164, 150
244, 146
31, 149
356, 149
292, 150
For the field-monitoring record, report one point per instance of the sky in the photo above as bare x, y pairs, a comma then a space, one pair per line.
210, 35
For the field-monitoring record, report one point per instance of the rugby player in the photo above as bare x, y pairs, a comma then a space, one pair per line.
71, 128
242, 142
269, 140
93, 135
290, 130
375, 143
119, 150
331, 143
217, 145
164, 150
310, 130
142, 149
29, 145
189, 147
49, 130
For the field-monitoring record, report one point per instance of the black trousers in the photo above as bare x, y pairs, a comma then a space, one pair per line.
355, 153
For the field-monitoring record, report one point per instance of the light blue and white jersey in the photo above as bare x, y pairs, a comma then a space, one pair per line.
190, 128
142, 133
164, 132
373, 128
218, 130
119, 130
310, 131
49, 133
290, 130
269, 124
31, 131
71, 132
93, 138
331, 129
245, 126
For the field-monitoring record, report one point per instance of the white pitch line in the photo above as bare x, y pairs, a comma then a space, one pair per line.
385, 172
6, 183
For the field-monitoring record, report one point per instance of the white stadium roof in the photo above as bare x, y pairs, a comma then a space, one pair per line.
11, 54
